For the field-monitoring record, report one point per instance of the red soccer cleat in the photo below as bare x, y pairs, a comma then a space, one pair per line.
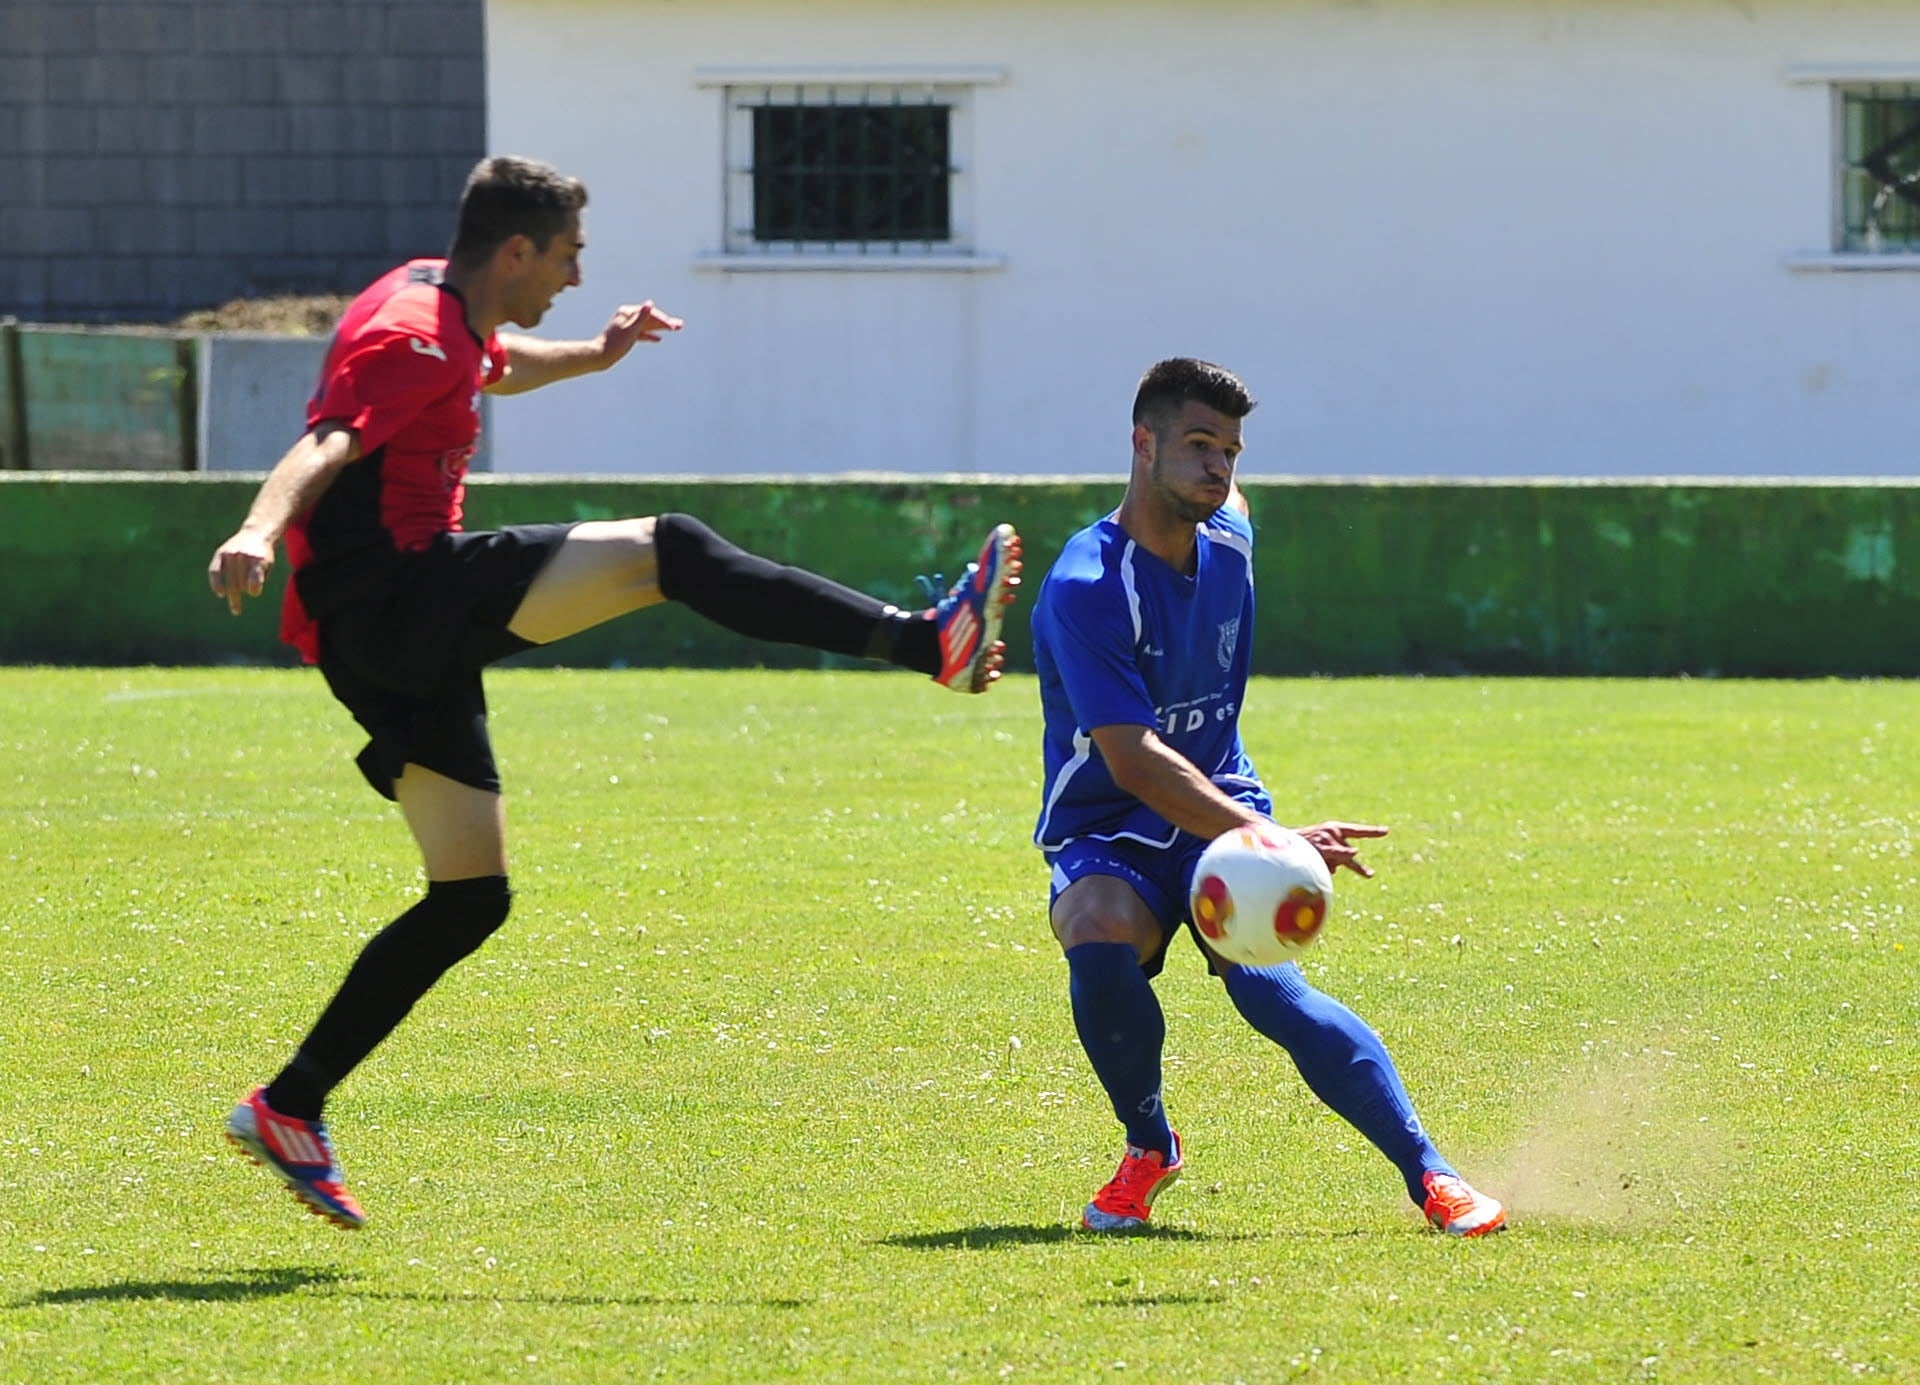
299, 1154
969, 616
1127, 1200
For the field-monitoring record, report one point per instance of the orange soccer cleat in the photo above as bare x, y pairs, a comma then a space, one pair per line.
1127, 1200
1455, 1208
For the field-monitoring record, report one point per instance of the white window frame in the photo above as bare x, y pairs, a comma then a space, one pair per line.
742, 89
1838, 79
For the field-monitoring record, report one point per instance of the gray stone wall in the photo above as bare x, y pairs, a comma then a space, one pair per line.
157, 156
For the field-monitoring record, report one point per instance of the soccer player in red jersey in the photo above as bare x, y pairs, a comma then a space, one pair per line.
401, 610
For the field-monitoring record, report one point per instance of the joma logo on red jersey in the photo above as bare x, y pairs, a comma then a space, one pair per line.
453, 466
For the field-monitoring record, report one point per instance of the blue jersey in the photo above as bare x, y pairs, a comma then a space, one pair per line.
1121, 639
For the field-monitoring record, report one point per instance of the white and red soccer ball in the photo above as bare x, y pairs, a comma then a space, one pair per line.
1260, 895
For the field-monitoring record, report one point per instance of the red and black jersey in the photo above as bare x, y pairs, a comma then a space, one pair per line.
404, 371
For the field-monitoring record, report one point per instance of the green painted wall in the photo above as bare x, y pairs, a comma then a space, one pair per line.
1354, 577
98, 399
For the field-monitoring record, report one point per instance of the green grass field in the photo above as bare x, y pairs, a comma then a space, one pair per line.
772, 1077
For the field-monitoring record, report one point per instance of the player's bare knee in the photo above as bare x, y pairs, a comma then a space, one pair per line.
1086, 924
641, 552
1104, 909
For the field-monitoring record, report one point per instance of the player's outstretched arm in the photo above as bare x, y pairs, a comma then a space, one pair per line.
1166, 781
240, 565
533, 361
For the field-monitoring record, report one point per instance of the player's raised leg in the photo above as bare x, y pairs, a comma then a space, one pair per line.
607, 568
604, 569
1346, 1065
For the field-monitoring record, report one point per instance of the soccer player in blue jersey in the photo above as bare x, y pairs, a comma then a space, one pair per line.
1141, 637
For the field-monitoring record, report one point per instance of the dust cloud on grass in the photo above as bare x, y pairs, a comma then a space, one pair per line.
1619, 1144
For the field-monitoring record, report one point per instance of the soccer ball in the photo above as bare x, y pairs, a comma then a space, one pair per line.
1260, 894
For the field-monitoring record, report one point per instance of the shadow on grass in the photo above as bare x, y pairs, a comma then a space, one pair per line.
239, 1285
1154, 1300
236, 1286
585, 1300
993, 1237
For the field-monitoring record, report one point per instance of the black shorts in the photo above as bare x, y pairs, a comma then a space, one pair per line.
406, 659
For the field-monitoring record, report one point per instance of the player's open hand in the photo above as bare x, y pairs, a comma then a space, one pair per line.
1333, 841
631, 323
239, 569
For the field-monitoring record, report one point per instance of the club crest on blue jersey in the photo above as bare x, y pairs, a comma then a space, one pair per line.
1229, 637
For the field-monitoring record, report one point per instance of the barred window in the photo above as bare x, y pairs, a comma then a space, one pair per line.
846, 169
851, 173
1878, 209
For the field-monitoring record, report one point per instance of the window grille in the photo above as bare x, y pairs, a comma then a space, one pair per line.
1879, 200
866, 169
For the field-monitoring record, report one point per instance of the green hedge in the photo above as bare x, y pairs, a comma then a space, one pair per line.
1355, 577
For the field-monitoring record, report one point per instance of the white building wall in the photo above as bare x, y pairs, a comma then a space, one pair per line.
1469, 237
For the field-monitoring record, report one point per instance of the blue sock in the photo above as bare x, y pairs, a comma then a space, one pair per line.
1120, 1025
1343, 1062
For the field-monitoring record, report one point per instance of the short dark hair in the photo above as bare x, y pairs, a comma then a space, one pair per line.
507, 197
1180, 380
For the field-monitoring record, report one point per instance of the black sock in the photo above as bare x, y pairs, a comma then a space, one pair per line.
915, 643
393, 971
751, 595
300, 1089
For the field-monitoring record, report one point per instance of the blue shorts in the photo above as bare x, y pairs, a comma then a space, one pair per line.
1161, 875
